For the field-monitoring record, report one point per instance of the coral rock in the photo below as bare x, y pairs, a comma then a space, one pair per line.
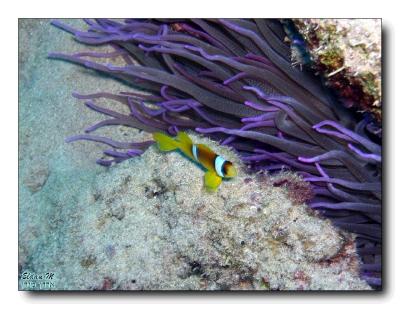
249, 235
347, 52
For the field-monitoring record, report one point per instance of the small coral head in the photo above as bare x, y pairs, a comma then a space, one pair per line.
229, 169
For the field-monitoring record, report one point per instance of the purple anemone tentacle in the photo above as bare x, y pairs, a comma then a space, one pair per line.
152, 111
260, 107
108, 122
370, 157
104, 162
364, 207
164, 93
350, 134
107, 141
134, 152
263, 117
373, 280
330, 155
294, 148
235, 78
116, 154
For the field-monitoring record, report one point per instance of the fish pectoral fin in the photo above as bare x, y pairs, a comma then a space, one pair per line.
212, 180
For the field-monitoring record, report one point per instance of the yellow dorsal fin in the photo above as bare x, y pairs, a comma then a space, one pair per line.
184, 138
185, 144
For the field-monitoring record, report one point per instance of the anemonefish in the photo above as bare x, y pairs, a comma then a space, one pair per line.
217, 167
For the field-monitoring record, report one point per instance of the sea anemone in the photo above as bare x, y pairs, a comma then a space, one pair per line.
233, 80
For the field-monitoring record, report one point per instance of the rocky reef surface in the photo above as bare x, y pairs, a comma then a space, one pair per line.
148, 223
347, 53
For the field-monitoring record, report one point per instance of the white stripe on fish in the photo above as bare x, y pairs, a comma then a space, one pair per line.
219, 163
194, 152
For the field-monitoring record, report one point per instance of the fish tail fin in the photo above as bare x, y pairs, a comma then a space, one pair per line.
165, 142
